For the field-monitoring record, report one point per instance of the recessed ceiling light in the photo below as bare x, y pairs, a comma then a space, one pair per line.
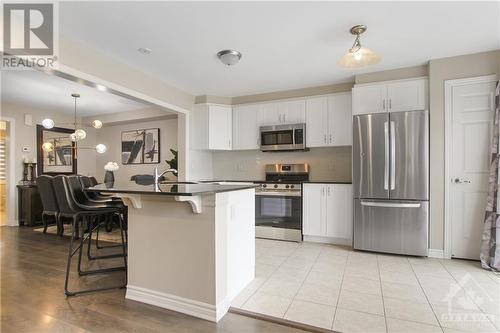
144, 50
229, 57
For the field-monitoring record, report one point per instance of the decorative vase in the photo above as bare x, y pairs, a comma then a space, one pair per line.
109, 177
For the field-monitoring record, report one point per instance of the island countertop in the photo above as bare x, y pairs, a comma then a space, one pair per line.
168, 188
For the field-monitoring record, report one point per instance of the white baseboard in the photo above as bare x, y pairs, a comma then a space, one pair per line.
328, 240
438, 254
179, 304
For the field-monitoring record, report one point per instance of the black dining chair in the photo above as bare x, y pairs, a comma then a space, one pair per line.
81, 216
49, 202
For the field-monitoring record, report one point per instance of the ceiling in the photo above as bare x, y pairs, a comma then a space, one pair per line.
285, 45
41, 90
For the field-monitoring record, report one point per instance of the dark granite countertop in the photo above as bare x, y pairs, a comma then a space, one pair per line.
263, 181
327, 182
167, 188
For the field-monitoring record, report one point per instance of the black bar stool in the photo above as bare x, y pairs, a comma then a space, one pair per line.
75, 185
81, 216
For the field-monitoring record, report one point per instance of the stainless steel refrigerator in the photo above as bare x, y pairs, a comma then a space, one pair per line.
391, 182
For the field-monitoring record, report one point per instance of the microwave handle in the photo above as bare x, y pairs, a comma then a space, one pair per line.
293, 137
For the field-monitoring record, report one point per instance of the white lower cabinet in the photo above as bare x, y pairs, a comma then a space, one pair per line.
327, 213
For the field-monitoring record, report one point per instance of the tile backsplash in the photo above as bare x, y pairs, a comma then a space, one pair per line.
326, 164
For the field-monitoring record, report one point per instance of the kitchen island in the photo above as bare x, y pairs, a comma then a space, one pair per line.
191, 247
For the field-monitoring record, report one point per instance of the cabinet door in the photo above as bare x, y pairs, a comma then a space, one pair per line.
292, 112
340, 120
407, 95
245, 127
339, 210
317, 122
219, 127
269, 114
369, 99
313, 212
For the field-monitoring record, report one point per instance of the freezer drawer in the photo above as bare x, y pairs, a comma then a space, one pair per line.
392, 226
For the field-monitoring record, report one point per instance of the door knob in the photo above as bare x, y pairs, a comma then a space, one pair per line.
460, 180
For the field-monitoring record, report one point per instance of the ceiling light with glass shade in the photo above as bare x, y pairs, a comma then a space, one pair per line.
79, 133
358, 56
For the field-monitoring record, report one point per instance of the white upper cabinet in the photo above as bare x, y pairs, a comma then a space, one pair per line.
328, 121
286, 112
368, 99
340, 120
390, 96
269, 114
317, 122
220, 127
292, 112
407, 95
211, 127
246, 127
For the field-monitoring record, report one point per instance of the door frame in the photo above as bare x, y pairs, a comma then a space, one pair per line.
11, 197
448, 139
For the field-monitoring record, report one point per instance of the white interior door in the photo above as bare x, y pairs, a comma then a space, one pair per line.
471, 110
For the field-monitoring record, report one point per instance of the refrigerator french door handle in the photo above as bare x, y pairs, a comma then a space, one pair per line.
393, 155
386, 155
390, 204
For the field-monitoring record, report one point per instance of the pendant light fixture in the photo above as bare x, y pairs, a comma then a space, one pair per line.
78, 135
358, 56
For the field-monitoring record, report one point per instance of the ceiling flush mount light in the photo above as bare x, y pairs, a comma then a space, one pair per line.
358, 56
229, 57
144, 50
78, 134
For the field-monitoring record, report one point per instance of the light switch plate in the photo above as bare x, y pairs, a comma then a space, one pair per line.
28, 119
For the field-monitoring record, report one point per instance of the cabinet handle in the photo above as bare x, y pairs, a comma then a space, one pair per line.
324, 138
390, 103
284, 118
328, 191
229, 143
279, 117
330, 138
323, 191
383, 104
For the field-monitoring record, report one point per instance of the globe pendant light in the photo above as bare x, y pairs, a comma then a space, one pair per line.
78, 135
358, 56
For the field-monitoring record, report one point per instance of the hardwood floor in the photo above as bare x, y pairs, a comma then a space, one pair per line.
32, 298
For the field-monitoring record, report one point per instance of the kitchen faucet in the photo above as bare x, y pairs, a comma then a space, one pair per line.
158, 176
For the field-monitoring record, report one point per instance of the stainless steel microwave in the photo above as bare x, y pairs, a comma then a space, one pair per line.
283, 137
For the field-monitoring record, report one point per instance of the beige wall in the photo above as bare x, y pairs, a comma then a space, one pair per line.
26, 136
441, 70
393, 74
296, 93
327, 164
110, 135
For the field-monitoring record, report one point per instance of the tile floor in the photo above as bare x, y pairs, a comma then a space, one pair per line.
333, 287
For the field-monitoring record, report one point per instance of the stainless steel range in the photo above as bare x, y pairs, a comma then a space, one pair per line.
278, 202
